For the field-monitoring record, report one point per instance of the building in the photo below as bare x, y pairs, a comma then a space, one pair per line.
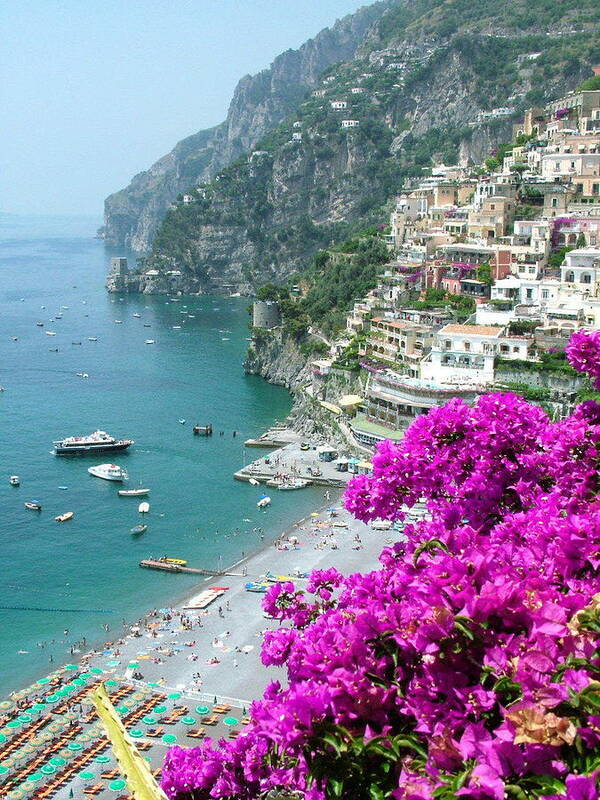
265, 314
350, 123
398, 341
338, 105
582, 270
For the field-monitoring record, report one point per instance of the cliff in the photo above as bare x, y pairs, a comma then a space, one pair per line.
260, 102
421, 88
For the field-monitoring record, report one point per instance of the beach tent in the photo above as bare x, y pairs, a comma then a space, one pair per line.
326, 453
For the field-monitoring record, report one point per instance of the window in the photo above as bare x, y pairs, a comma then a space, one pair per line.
586, 278
554, 202
545, 294
532, 270
516, 349
467, 346
504, 348
448, 344
557, 166
570, 276
529, 294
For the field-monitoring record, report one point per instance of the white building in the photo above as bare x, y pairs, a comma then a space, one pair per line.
357, 89
339, 105
350, 123
296, 136
582, 268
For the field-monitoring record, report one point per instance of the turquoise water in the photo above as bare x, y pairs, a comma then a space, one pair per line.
136, 390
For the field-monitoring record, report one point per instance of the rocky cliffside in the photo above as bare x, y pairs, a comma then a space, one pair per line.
260, 102
278, 360
421, 89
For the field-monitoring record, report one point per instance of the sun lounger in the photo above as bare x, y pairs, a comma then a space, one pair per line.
155, 732
93, 790
197, 733
212, 720
233, 734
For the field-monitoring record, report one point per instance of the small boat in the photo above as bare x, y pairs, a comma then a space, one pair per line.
92, 338
202, 430
118, 322
180, 562
50, 333
53, 349
255, 586
149, 341
64, 517
176, 327
144, 508
133, 492
40, 324
181, 421
137, 529
75, 342
63, 488
14, 480
33, 505
147, 325
264, 502
254, 482
16, 338
297, 483
137, 316
109, 472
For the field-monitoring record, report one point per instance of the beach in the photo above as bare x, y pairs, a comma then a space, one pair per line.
176, 675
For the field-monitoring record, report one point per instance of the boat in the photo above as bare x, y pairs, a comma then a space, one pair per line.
50, 333
181, 421
255, 586
149, 341
40, 324
144, 508
109, 472
147, 325
118, 322
296, 483
53, 349
137, 529
63, 488
14, 480
96, 442
202, 430
92, 338
33, 505
75, 342
264, 502
176, 327
137, 316
254, 482
180, 562
133, 492
16, 338
64, 517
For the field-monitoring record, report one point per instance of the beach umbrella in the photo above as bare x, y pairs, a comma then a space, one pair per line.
4, 769
148, 720
52, 698
44, 680
25, 718
86, 775
168, 738
96, 671
117, 785
175, 696
102, 759
110, 682
48, 769
201, 709
74, 746
37, 776
57, 761
230, 721
122, 709
13, 724
71, 666
136, 733
188, 720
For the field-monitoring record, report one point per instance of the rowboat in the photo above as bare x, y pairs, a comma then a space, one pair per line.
64, 517
133, 492
264, 502
137, 529
33, 505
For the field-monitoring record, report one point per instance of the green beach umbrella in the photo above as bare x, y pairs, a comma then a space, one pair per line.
148, 720
136, 733
37, 776
102, 759
87, 776
111, 682
38, 707
202, 709
168, 738
122, 709
117, 785
44, 680
52, 698
57, 761
79, 682
2, 737
96, 671
85, 674
113, 663
132, 665
188, 720
4, 769
13, 724
74, 746
48, 769
230, 721
25, 717
174, 695
153, 684
161, 709
71, 666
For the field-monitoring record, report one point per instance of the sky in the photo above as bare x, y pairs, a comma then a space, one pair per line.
94, 91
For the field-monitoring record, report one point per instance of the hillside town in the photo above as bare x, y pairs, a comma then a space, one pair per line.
491, 269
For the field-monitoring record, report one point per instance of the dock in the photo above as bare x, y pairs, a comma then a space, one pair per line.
274, 438
165, 566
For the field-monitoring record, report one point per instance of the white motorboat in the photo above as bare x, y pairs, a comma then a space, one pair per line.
133, 492
296, 483
149, 341
137, 316
92, 338
144, 508
264, 502
109, 472
14, 480
50, 333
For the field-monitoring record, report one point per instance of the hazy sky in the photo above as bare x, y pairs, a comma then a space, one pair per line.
94, 91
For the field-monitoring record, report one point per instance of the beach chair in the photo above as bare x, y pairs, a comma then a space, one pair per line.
245, 721
212, 720
155, 732
196, 733
93, 790
233, 733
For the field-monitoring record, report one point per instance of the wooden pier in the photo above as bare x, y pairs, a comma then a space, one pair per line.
167, 566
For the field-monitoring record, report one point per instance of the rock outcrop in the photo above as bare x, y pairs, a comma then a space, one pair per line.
260, 102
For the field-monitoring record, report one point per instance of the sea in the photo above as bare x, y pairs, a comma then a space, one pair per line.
65, 583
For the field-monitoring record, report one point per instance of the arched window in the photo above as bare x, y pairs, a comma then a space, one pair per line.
572, 238
561, 238
585, 277
570, 276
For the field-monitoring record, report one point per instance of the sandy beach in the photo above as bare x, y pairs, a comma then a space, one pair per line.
176, 675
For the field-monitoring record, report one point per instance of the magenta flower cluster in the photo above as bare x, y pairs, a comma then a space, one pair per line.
468, 665
583, 353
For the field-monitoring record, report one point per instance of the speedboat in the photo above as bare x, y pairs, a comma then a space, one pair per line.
14, 480
296, 483
147, 325
92, 338
50, 333
109, 472
149, 341
40, 324
33, 505
118, 322
264, 502
133, 492
96, 442
137, 529
64, 517
137, 316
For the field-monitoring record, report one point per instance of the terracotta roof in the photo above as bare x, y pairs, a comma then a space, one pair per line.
476, 330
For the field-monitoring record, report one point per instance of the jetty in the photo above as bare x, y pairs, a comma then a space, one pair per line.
274, 438
167, 566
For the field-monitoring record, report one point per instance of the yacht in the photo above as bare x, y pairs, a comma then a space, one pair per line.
110, 472
97, 442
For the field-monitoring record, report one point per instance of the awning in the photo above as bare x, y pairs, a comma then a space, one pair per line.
331, 407
349, 400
